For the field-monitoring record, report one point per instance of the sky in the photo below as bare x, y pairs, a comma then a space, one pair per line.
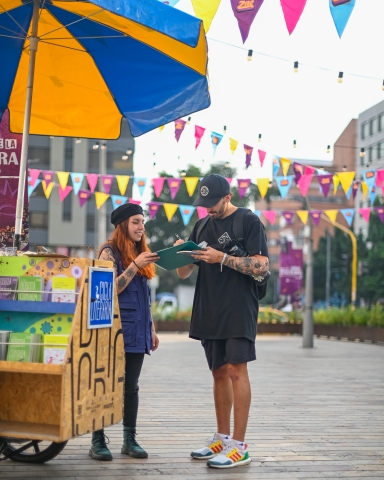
265, 95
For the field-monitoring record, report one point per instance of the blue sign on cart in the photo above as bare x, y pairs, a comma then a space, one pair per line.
100, 297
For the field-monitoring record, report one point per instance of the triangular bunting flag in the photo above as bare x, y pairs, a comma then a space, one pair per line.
190, 184
245, 12
365, 213
206, 10
332, 215
304, 183
380, 213
83, 196
285, 163
158, 184
186, 213
276, 166
303, 215
92, 179
179, 127
233, 145
229, 180
118, 200
248, 155
63, 179
262, 155
315, 215
199, 132
161, 128
174, 186
346, 179
379, 178
100, 199
215, 139
270, 215
48, 176
170, 210
355, 188
64, 192
107, 181
141, 183
370, 177
77, 180
348, 214
153, 208
135, 202
364, 188
33, 175
292, 10
263, 185
336, 182
242, 185
341, 11
284, 184
47, 187
298, 170
122, 183
257, 212
349, 193
288, 217
31, 187
201, 212
325, 183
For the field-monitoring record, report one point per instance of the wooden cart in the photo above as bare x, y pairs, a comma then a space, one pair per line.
41, 405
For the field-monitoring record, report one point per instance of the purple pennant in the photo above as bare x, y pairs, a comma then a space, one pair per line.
174, 185
107, 182
242, 186
83, 196
179, 127
298, 170
248, 155
153, 208
325, 182
245, 12
380, 212
355, 188
288, 217
315, 215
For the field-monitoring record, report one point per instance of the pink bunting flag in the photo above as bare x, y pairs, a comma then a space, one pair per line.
292, 10
153, 208
201, 212
298, 170
135, 202
92, 179
248, 155
199, 132
48, 176
33, 176
158, 184
242, 186
107, 182
288, 217
179, 127
304, 183
355, 188
316, 216
174, 185
270, 215
64, 192
365, 213
245, 12
83, 196
325, 182
229, 180
262, 155
309, 170
380, 212
379, 177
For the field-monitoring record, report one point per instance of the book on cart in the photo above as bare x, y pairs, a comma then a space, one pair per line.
63, 289
53, 349
4, 339
30, 288
24, 347
8, 288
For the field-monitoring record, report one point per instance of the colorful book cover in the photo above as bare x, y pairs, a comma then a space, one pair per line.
22, 347
9, 284
28, 285
63, 289
4, 339
53, 352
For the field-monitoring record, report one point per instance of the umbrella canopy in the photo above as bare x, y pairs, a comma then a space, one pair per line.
98, 62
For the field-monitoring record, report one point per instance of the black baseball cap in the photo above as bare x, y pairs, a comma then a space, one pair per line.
212, 189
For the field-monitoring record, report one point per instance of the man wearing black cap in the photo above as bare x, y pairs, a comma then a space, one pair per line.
224, 315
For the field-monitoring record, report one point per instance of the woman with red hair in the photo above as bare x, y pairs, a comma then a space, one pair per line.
133, 264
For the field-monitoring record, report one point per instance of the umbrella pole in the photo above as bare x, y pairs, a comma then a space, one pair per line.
33, 41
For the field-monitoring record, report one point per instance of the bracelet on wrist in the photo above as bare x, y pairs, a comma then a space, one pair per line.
136, 264
222, 261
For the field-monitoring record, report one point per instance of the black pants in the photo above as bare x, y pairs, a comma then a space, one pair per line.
133, 364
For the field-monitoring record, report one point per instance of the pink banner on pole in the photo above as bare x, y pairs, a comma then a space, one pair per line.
291, 270
270, 215
248, 155
288, 217
379, 177
292, 10
179, 127
380, 212
92, 179
242, 186
107, 182
158, 184
153, 208
325, 182
365, 213
316, 216
201, 212
48, 176
83, 196
304, 183
33, 175
64, 192
199, 132
245, 12
174, 185
262, 155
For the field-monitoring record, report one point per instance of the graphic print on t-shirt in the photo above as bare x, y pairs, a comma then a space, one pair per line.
224, 239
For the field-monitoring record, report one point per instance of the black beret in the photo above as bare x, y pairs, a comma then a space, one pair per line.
124, 212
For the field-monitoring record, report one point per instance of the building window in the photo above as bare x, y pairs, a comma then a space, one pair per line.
67, 209
90, 223
364, 130
38, 157
380, 150
370, 153
381, 122
373, 126
38, 219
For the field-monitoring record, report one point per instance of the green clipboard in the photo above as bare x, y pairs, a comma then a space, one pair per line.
169, 259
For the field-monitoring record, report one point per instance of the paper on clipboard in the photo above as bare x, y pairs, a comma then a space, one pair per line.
170, 260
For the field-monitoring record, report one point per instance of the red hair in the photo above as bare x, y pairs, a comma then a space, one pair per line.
129, 250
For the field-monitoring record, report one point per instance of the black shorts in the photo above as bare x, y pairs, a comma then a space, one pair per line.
231, 350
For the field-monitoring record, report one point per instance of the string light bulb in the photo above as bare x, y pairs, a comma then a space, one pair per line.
270, 184
189, 120
296, 66
129, 152
227, 165
78, 140
103, 146
225, 129
340, 77
294, 144
259, 138
362, 152
183, 173
154, 165
328, 148
250, 53
124, 158
382, 86
344, 168
96, 146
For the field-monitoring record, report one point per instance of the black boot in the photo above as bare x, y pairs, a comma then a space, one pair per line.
130, 446
99, 449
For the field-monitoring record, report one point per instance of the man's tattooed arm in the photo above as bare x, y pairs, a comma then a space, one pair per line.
257, 266
125, 278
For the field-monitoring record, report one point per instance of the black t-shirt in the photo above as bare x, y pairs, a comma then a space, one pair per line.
226, 303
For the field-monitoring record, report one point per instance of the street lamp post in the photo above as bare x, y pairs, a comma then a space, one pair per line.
308, 312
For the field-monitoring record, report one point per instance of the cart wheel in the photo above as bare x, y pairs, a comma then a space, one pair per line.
38, 452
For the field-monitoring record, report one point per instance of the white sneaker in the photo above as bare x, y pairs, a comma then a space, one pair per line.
231, 456
213, 446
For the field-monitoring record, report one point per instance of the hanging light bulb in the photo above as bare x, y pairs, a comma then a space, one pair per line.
270, 184
227, 165
183, 173
294, 144
95, 146
103, 146
259, 139
362, 152
250, 53
129, 152
340, 77
178, 159
328, 148
225, 129
78, 140
296, 66
382, 86
154, 165
124, 157
344, 168
189, 120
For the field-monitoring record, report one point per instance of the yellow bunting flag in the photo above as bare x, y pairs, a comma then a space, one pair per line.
285, 163
331, 214
190, 183
263, 184
161, 128
303, 215
206, 10
233, 145
63, 179
170, 210
346, 179
336, 183
100, 198
122, 182
365, 189
47, 188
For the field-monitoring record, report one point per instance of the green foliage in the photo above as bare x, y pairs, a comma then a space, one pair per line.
161, 314
373, 317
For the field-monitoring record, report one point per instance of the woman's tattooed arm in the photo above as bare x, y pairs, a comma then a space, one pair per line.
125, 278
257, 266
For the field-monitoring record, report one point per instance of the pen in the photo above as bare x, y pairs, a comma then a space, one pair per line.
177, 236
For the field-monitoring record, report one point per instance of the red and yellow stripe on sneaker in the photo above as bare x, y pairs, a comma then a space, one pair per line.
213, 446
232, 456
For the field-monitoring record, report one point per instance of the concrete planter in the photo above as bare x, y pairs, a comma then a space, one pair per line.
172, 326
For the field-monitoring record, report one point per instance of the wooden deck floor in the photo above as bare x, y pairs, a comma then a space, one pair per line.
315, 414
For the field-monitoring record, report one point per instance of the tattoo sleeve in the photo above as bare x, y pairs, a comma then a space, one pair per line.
125, 278
256, 266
